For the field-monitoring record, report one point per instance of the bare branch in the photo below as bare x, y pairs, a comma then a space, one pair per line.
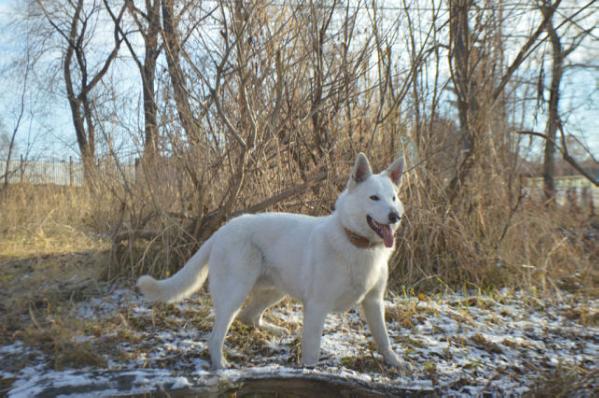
566, 156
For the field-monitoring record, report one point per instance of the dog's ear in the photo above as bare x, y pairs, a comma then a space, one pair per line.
395, 170
361, 170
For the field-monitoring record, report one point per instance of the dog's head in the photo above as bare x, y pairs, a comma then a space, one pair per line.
370, 206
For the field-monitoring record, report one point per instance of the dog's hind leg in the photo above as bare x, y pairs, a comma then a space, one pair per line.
261, 299
227, 301
231, 280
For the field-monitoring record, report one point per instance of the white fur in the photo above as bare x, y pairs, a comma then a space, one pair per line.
271, 255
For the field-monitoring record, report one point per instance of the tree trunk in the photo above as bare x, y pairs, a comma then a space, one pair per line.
148, 26
462, 78
553, 119
80, 111
173, 48
11, 143
148, 79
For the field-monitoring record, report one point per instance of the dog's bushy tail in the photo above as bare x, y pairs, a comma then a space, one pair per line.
181, 285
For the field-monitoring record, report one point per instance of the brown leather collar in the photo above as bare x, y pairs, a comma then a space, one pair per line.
360, 241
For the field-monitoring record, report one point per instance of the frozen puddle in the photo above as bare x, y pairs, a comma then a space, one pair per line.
456, 345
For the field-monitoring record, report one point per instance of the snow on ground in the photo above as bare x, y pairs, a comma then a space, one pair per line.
456, 344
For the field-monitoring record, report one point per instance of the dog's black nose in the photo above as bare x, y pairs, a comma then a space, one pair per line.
393, 217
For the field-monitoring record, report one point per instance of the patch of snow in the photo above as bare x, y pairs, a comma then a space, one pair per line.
14, 348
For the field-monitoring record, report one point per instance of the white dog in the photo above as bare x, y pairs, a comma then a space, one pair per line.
329, 263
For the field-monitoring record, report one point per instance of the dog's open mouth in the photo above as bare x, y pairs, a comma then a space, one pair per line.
382, 230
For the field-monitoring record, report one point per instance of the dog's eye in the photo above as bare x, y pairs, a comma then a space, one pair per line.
375, 197
394, 198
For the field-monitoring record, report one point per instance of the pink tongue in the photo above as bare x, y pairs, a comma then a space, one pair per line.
387, 235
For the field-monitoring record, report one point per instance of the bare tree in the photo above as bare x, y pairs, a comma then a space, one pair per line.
147, 23
468, 59
74, 22
553, 119
20, 113
173, 50
559, 54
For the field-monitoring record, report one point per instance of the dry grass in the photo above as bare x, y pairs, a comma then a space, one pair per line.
367, 363
46, 220
584, 315
481, 342
58, 341
487, 237
565, 382
486, 243
410, 315
51, 253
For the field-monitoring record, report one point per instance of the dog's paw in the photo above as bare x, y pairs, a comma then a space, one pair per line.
219, 364
309, 366
392, 359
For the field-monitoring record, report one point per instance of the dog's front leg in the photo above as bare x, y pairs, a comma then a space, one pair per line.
314, 316
374, 310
